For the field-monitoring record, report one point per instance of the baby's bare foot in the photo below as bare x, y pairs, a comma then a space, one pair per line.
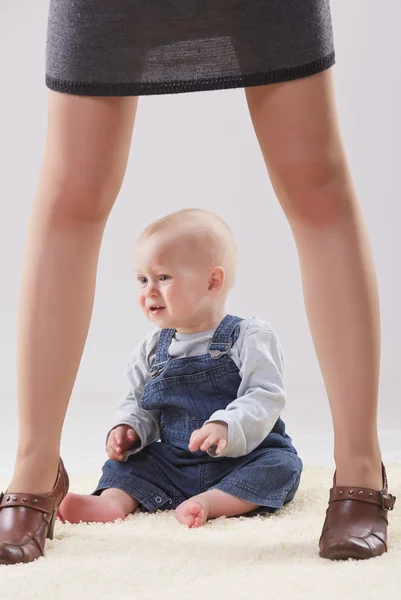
75, 508
192, 513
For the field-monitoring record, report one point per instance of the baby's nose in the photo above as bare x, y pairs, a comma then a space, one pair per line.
153, 292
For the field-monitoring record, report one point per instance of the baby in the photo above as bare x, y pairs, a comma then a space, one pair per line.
199, 429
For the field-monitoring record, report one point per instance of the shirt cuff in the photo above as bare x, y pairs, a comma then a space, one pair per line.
236, 444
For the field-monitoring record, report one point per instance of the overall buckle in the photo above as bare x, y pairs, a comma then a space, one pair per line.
218, 353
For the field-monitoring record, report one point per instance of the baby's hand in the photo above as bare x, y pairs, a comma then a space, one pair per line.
211, 434
121, 439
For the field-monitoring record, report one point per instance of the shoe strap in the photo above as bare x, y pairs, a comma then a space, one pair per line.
381, 498
42, 503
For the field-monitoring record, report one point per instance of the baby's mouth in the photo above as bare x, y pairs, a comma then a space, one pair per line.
156, 309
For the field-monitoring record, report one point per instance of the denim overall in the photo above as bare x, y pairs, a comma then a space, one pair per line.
187, 391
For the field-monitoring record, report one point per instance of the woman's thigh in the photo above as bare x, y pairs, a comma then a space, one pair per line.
297, 128
86, 153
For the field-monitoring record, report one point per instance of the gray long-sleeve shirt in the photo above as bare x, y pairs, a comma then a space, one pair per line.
260, 399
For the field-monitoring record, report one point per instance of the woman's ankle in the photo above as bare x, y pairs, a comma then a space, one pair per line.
354, 469
34, 453
363, 458
34, 474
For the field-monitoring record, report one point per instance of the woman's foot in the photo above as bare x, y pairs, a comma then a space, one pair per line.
356, 521
192, 513
99, 509
27, 519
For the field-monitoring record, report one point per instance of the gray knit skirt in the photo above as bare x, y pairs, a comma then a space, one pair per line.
142, 47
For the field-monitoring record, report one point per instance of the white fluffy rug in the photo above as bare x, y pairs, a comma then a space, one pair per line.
150, 557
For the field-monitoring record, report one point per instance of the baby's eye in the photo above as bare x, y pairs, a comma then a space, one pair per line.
142, 280
164, 277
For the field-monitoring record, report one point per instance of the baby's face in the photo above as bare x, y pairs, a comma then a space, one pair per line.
172, 281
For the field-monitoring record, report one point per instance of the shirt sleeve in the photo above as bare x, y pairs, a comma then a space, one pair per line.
261, 394
129, 411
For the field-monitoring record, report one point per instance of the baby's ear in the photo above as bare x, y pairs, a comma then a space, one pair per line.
216, 281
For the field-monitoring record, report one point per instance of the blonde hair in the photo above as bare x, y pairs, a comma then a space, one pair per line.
208, 231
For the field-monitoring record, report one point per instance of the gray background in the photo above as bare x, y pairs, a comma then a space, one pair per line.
199, 149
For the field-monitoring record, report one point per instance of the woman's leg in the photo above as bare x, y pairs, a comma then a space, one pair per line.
296, 125
87, 148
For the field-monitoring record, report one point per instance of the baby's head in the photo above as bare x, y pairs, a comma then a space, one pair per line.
185, 264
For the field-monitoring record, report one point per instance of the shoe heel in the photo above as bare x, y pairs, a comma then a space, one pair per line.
52, 522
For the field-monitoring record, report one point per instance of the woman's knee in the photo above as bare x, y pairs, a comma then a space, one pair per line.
315, 191
70, 197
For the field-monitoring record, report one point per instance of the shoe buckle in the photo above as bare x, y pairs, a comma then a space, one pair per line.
387, 501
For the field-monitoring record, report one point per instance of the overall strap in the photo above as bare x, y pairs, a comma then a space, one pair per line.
225, 336
223, 339
162, 356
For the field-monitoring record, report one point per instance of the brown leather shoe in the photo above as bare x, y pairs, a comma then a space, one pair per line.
356, 522
26, 520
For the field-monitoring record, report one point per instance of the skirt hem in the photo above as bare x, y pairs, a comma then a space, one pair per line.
180, 87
